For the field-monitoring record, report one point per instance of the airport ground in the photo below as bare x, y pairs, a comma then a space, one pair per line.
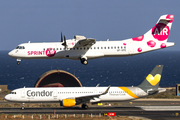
164, 106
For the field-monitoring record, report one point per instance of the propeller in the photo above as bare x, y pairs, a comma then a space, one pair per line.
64, 43
61, 37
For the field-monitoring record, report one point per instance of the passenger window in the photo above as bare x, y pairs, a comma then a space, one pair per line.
104, 47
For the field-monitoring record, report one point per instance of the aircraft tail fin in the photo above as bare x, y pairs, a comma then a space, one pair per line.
160, 31
155, 38
151, 83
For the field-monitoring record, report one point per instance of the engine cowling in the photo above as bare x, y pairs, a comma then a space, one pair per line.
68, 102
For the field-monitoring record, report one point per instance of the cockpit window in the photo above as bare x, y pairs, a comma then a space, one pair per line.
20, 47
12, 92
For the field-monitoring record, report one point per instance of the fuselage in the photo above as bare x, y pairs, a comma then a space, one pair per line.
83, 49
57, 94
53, 50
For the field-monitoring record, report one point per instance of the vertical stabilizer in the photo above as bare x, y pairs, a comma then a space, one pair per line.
160, 31
152, 80
156, 37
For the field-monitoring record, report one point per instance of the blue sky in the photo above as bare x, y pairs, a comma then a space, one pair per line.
43, 20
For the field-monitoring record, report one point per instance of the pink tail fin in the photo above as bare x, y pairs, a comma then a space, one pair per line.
160, 32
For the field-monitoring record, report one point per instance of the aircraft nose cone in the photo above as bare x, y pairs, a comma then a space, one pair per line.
10, 53
6, 97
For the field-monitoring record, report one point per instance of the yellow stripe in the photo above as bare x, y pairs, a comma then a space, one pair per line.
125, 89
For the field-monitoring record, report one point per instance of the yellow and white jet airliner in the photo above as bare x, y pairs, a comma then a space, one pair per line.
71, 96
84, 49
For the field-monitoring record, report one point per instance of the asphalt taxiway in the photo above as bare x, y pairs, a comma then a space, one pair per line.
148, 108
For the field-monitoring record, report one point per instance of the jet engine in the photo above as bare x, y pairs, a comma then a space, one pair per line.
68, 102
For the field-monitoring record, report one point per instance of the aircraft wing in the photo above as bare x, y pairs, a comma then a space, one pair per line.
92, 97
85, 42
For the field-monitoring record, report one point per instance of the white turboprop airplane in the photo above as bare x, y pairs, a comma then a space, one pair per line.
71, 96
84, 49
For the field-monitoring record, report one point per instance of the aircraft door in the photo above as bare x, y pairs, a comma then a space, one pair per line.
94, 91
55, 93
139, 92
23, 93
131, 48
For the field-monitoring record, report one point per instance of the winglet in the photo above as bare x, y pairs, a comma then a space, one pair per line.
98, 85
106, 90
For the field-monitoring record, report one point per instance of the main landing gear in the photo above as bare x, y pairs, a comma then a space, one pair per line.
84, 106
84, 61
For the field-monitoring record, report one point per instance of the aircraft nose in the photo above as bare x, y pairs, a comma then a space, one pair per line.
7, 97
10, 53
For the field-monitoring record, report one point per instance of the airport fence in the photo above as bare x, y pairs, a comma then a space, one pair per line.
55, 116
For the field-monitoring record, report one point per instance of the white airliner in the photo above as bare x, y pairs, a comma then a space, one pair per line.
71, 96
84, 49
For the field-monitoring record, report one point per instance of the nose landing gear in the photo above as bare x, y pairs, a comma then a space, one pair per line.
23, 104
18, 61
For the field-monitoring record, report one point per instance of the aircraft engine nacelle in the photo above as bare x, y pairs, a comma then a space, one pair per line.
68, 102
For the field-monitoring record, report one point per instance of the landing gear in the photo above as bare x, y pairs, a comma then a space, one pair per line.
18, 61
84, 106
23, 104
84, 61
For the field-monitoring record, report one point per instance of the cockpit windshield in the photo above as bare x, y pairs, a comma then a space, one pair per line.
12, 92
20, 47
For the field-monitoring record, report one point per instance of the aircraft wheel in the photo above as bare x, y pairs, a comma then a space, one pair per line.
84, 61
84, 106
23, 104
18, 63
